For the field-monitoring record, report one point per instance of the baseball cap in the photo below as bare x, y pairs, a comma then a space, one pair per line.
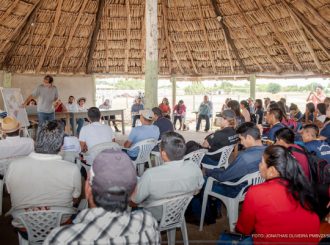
228, 114
112, 170
147, 114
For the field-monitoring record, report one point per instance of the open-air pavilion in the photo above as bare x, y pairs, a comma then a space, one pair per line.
78, 40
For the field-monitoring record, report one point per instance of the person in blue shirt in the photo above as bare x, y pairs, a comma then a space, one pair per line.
146, 131
136, 107
246, 162
274, 118
204, 112
321, 148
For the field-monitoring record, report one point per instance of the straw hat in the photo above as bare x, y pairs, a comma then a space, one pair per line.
81, 98
9, 125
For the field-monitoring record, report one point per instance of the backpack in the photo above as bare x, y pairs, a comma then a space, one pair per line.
319, 168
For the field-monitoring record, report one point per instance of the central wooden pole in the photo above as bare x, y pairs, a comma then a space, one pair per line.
151, 67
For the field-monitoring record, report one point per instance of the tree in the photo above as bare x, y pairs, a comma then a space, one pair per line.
130, 84
273, 88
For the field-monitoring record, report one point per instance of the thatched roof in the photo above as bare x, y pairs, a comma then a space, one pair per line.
196, 37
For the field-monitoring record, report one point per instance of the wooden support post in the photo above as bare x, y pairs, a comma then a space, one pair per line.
253, 81
151, 68
173, 81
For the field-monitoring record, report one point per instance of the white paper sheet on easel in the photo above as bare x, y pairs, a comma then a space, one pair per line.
13, 99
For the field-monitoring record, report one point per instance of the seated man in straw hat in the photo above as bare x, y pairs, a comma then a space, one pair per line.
13, 145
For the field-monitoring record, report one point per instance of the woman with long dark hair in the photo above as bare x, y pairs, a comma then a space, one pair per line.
245, 110
285, 204
234, 105
259, 111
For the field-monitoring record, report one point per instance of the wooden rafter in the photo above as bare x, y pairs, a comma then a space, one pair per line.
228, 51
185, 39
95, 35
143, 43
250, 55
316, 14
28, 55
206, 37
128, 35
168, 41
107, 52
22, 29
255, 37
57, 19
280, 36
161, 42
227, 34
309, 46
176, 57
72, 32
8, 11
310, 30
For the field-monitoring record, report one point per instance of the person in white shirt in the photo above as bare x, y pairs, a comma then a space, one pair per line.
72, 106
13, 145
175, 177
43, 179
95, 133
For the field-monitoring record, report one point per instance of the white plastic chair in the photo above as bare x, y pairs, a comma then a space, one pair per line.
231, 204
39, 224
223, 161
195, 156
94, 151
173, 216
145, 147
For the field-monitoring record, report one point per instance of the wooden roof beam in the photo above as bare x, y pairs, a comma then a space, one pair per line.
280, 36
318, 38
309, 46
169, 45
316, 14
22, 29
206, 37
128, 34
251, 56
254, 36
95, 35
8, 11
143, 41
57, 19
227, 34
72, 32
185, 39
228, 51
176, 57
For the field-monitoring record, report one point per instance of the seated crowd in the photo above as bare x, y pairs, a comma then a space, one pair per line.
276, 140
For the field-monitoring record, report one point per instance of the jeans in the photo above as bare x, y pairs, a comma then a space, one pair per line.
180, 120
43, 117
134, 120
80, 123
207, 119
